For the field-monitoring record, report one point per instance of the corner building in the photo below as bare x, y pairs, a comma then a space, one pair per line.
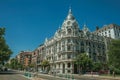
68, 42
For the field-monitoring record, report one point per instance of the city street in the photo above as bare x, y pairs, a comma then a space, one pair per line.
16, 75
11, 75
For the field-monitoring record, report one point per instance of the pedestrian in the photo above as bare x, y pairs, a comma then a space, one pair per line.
114, 73
92, 73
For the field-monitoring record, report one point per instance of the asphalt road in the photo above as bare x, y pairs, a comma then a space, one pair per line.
11, 75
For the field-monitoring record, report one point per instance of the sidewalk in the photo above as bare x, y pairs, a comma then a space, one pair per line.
77, 77
39, 76
99, 76
110, 77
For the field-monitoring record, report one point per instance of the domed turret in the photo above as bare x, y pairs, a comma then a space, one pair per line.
70, 16
70, 21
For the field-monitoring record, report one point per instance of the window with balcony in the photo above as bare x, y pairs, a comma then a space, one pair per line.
69, 56
68, 65
82, 44
69, 48
69, 40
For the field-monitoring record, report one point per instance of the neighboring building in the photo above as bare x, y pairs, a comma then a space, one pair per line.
18, 57
68, 42
37, 57
27, 59
24, 57
34, 58
112, 31
41, 56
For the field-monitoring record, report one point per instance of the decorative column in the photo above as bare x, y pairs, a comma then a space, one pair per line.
72, 67
66, 69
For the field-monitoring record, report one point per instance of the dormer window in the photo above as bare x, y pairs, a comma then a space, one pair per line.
68, 23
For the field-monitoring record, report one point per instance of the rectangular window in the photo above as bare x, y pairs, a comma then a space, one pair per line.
68, 65
69, 40
69, 56
59, 65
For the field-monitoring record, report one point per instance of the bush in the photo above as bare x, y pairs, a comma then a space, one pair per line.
117, 71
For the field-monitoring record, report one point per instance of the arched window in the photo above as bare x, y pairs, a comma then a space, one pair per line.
69, 31
68, 23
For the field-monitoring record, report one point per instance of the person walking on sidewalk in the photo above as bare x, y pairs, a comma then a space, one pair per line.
113, 73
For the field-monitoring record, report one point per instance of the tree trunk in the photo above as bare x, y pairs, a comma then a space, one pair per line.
79, 69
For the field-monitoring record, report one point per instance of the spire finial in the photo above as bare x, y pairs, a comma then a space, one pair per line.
59, 26
70, 11
84, 23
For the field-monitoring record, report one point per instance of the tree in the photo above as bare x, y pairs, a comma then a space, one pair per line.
13, 63
32, 65
114, 55
83, 62
5, 51
97, 66
45, 64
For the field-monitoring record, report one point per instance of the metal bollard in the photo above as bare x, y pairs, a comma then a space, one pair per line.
68, 77
65, 75
29, 75
72, 77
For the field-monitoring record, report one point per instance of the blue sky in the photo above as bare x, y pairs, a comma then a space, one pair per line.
29, 22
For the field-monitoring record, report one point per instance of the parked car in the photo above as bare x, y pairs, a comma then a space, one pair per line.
45, 72
3, 69
41, 71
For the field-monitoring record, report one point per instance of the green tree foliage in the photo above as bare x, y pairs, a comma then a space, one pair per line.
97, 66
5, 51
32, 65
114, 55
84, 62
45, 64
15, 64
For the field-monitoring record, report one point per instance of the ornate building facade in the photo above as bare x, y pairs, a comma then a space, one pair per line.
70, 41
